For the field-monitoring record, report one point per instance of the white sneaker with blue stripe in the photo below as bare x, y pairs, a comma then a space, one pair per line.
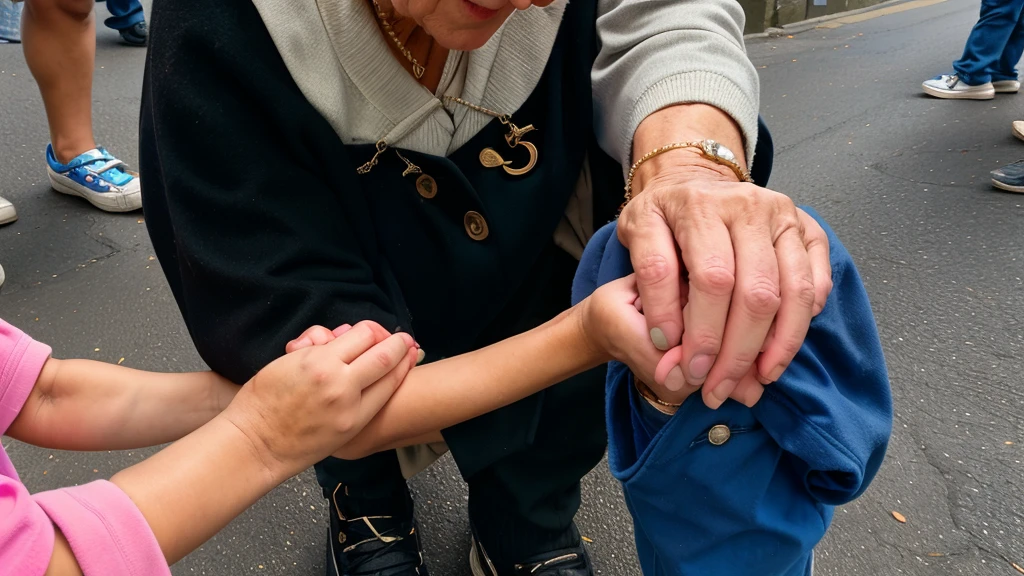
98, 177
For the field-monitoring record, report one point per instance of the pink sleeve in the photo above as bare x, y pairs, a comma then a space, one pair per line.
21, 359
105, 529
26, 533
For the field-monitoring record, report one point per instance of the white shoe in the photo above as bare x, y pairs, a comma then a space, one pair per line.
1018, 129
7, 212
1006, 86
950, 86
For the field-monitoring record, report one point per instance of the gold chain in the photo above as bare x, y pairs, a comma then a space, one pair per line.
417, 68
503, 118
645, 158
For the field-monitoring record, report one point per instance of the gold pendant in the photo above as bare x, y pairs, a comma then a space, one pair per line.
417, 70
490, 157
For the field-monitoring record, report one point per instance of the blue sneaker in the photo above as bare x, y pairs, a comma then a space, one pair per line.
136, 35
1010, 177
98, 177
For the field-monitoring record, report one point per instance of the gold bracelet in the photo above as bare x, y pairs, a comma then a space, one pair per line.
652, 398
708, 149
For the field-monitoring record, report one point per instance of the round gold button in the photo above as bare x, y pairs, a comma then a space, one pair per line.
476, 226
719, 434
426, 186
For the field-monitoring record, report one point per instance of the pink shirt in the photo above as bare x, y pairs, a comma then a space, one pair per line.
107, 533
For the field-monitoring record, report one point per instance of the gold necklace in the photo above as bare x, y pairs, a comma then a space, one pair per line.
417, 68
489, 157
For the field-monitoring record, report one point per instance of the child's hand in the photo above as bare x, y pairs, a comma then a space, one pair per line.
315, 336
614, 321
309, 403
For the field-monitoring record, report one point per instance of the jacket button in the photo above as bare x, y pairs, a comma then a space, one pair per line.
476, 226
719, 434
426, 186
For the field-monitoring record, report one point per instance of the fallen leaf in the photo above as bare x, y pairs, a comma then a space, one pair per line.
1008, 443
1017, 568
588, 540
96, 350
899, 517
121, 361
936, 554
788, 36
44, 472
94, 471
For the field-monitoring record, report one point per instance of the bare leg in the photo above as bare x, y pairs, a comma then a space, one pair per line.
59, 37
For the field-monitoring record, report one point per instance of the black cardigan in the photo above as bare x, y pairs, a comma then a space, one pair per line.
263, 227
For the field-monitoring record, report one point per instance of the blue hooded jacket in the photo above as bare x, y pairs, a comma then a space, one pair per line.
757, 504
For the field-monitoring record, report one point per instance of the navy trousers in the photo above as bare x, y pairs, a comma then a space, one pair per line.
995, 44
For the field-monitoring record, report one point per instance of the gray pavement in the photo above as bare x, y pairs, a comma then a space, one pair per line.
902, 178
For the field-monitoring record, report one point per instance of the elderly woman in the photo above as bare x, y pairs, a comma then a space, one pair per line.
437, 166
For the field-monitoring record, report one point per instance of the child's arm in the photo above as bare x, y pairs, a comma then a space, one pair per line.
89, 405
441, 394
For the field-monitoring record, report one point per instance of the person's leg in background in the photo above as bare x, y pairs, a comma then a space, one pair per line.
128, 18
972, 78
1004, 70
59, 38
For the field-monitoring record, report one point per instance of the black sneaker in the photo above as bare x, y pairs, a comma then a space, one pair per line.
571, 561
1009, 177
136, 34
371, 545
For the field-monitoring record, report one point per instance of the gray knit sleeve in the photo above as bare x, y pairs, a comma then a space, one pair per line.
656, 53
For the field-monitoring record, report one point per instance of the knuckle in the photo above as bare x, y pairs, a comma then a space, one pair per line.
383, 360
706, 341
652, 269
803, 291
713, 277
761, 298
790, 344
740, 363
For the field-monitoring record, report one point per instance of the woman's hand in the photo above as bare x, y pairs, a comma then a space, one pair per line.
758, 268
305, 405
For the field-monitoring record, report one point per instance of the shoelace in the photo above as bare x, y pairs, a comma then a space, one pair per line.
388, 543
549, 563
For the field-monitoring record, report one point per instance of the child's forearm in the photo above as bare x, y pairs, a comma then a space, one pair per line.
88, 405
193, 488
441, 394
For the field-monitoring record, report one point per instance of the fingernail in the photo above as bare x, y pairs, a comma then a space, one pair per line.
776, 373
763, 380
420, 355
721, 392
659, 340
700, 365
675, 380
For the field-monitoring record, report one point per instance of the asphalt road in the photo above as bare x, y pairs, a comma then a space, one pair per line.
901, 177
